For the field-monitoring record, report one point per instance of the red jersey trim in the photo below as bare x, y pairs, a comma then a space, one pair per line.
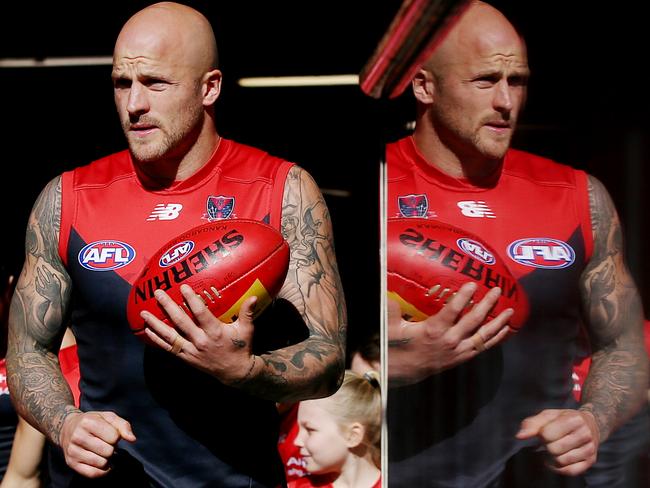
67, 214
278, 194
584, 211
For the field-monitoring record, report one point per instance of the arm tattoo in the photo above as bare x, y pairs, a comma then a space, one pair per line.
618, 378
36, 320
315, 366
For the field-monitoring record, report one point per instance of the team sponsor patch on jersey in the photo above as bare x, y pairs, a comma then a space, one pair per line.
413, 205
219, 207
542, 252
175, 253
476, 250
106, 255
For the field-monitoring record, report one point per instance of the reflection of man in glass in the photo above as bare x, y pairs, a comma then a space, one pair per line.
477, 394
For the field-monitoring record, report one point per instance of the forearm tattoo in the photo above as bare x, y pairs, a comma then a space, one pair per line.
36, 320
313, 367
617, 381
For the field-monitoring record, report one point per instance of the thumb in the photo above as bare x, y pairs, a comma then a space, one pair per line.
247, 309
394, 311
121, 425
531, 426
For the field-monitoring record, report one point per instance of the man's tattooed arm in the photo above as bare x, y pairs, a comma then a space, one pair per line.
616, 385
36, 321
314, 367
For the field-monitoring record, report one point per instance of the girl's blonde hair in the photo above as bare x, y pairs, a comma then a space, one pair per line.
359, 400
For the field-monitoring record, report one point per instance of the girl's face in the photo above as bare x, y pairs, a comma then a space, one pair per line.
322, 442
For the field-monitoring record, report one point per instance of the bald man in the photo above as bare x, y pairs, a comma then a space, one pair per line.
196, 408
468, 395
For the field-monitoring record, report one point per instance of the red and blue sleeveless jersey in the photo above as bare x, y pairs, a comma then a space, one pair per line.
191, 430
457, 428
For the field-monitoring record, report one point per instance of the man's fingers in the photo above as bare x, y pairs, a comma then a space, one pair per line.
583, 450
122, 426
198, 306
566, 431
163, 336
572, 469
172, 309
91, 452
570, 440
532, 426
568, 436
90, 439
469, 323
490, 334
90, 471
492, 338
108, 427
455, 306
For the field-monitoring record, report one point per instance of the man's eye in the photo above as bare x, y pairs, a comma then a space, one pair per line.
485, 81
518, 81
121, 83
155, 83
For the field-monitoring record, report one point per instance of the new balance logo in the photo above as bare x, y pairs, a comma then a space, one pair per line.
164, 211
473, 208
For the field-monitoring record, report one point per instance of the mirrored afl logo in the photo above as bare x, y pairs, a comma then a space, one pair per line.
106, 255
175, 253
476, 250
542, 252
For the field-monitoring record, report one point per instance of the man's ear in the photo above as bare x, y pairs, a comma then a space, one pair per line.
423, 86
354, 435
212, 86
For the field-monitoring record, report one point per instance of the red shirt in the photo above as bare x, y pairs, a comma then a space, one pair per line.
307, 482
70, 368
294, 465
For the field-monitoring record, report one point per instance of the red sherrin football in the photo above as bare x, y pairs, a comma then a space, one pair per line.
428, 261
224, 262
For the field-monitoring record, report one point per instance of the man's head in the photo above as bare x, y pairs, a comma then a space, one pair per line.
165, 80
472, 89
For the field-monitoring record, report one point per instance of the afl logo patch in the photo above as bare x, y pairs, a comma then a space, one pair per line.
176, 253
106, 255
542, 252
476, 250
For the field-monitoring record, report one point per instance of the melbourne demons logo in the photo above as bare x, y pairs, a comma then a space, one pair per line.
542, 252
413, 205
106, 255
476, 250
176, 253
219, 207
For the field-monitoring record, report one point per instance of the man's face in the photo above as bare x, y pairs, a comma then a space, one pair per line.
158, 100
478, 96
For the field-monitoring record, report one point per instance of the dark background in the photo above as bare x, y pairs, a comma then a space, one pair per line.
588, 103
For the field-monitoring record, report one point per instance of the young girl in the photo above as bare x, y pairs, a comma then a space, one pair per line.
339, 436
